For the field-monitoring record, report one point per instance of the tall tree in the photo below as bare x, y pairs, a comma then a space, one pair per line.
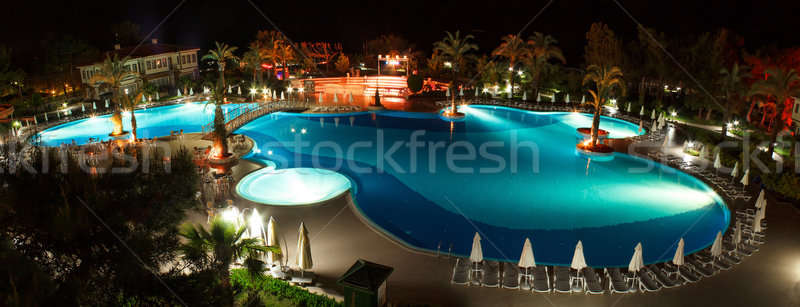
455, 49
514, 49
222, 54
251, 60
602, 46
732, 85
606, 79
781, 85
112, 73
542, 49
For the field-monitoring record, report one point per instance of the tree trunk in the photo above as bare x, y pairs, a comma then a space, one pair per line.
133, 124
220, 134
708, 115
699, 113
596, 124
285, 70
750, 112
778, 124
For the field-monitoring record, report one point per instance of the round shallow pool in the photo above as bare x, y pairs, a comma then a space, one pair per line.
292, 186
515, 175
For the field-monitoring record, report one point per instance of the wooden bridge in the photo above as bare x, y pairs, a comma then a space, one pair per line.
247, 112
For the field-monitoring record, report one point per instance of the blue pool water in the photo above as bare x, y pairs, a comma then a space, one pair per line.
153, 122
428, 202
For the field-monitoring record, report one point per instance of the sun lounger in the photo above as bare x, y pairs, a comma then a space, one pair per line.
647, 282
476, 272
541, 279
731, 257
687, 274
593, 284
663, 278
722, 263
511, 276
461, 272
617, 282
491, 274
706, 270
563, 280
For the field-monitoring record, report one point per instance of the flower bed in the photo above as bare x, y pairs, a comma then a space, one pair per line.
242, 281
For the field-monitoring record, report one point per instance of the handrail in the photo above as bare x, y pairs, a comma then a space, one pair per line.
245, 113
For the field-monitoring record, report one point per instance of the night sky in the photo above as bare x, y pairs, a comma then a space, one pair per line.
200, 23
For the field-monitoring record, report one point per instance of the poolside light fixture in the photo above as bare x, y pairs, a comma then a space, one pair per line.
293, 130
269, 152
253, 90
303, 131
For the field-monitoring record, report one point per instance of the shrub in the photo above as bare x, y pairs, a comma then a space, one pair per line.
242, 281
415, 83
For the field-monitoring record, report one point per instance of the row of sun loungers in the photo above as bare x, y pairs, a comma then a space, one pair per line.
345, 108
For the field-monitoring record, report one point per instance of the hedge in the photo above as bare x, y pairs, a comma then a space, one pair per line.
241, 280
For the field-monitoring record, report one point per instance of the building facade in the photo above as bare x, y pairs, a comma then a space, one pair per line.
159, 64
796, 115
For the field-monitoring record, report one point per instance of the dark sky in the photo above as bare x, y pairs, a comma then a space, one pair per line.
200, 23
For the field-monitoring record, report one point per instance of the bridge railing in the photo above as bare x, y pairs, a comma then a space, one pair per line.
244, 113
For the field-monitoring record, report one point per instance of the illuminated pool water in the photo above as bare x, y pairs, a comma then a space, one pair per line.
292, 186
542, 189
153, 122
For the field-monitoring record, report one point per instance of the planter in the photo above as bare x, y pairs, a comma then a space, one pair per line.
599, 152
227, 160
586, 133
121, 136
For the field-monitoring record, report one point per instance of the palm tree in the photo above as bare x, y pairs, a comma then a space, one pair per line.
222, 54
456, 49
543, 49
112, 72
782, 85
220, 132
285, 53
732, 86
605, 78
219, 246
252, 61
514, 49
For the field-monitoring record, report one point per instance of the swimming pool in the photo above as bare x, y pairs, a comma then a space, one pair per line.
153, 122
544, 190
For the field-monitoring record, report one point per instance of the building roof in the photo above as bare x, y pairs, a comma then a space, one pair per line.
144, 50
365, 275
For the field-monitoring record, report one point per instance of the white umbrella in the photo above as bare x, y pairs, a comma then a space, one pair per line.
525, 96
83, 108
526, 259
566, 99
716, 248
107, 102
757, 221
763, 209
229, 90
653, 114
191, 91
143, 98
476, 91
583, 99
746, 178
335, 98
717, 162
272, 240
448, 92
637, 261
578, 260
156, 97
735, 171
94, 106
509, 94
461, 92
654, 128
704, 152
45, 117
666, 142
538, 97
239, 91
350, 97
477, 252
629, 108
35, 122
737, 234
760, 199
274, 95
678, 258
641, 113
283, 98
304, 261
